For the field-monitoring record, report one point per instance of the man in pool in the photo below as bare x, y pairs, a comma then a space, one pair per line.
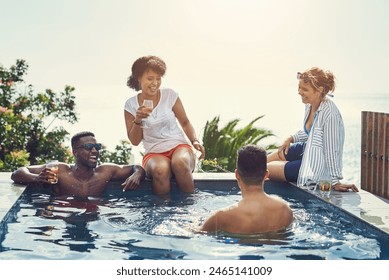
257, 212
84, 178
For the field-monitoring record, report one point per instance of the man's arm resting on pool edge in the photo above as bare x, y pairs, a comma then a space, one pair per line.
26, 175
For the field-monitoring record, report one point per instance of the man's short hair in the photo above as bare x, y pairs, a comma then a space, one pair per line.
251, 164
76, 137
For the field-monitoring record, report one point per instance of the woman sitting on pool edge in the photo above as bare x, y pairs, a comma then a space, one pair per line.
167, 149
316, 151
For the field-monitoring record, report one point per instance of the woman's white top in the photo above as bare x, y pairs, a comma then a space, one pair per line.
323, 152
162, 131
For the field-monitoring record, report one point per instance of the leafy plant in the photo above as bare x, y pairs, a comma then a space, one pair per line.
26, 117
14, 160
121, 154
221, 145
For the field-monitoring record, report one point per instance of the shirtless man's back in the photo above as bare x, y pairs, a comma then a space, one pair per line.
257, 212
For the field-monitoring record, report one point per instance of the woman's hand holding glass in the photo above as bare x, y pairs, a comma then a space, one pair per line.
147, 108
143, 112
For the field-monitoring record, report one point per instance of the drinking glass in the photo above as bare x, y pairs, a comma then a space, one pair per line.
53, 166
149, 107
325, 186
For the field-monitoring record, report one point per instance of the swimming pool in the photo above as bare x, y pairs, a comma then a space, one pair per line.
138, 225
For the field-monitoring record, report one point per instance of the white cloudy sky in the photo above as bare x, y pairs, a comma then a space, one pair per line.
236, 59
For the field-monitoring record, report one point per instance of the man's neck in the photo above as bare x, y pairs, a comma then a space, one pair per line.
251, 190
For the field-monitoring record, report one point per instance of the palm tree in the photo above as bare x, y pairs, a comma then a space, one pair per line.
221, 146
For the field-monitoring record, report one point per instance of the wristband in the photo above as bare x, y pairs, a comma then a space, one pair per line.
137, 123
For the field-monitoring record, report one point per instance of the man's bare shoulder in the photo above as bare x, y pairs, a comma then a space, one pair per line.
219, 220
277, 199
232, 214
116, 171
108, 166
282, 208
224, 213
64, 166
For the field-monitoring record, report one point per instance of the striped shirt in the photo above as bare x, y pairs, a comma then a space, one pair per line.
324, 144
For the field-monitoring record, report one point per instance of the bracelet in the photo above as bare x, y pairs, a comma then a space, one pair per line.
137, 123
195, 141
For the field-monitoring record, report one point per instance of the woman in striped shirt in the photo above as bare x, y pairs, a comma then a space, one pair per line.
315, 151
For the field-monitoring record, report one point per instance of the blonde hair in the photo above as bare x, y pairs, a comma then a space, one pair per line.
319, 78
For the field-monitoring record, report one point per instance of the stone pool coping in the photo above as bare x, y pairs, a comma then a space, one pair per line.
364, 205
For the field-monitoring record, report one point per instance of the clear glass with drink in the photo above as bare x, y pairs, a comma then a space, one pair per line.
149, 105
53, 166
325, 186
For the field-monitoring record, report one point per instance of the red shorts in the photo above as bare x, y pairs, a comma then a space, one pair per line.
167, 154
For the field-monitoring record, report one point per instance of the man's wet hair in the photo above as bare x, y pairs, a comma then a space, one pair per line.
252, 164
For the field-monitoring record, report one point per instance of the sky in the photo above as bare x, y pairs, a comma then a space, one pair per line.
233, 59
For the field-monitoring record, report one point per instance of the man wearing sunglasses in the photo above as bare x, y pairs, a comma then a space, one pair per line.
85, 177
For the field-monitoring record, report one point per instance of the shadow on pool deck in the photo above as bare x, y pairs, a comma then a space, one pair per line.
364, 205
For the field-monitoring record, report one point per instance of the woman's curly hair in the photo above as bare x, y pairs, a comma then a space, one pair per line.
141, 65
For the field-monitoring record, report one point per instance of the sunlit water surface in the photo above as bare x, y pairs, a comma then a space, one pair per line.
144, 226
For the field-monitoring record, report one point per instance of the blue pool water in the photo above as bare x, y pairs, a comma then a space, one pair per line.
138, 225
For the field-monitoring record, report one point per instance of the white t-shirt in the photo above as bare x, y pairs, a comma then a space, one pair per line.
162, 132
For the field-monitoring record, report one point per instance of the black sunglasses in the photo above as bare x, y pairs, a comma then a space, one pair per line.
90, 146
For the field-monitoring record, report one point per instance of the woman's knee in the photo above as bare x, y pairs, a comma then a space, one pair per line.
182, 164
160, 175
183, 161
276, 156
158, 168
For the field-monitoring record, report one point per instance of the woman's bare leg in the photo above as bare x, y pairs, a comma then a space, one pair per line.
158, 168
276, 170
276, 164
276, 156
183, 163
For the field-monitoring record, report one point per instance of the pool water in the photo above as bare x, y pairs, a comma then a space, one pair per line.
138, 225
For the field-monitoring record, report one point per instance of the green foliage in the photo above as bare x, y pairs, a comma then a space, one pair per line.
25, 118
221, 145
212, 165
14, 160
121, 154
